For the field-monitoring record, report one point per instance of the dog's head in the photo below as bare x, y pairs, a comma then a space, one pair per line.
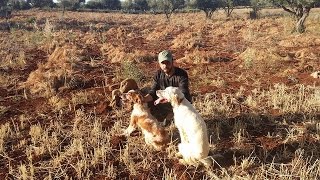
133, 96
170, 94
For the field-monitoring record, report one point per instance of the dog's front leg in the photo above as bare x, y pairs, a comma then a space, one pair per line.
132, 126
183, 135
129, 130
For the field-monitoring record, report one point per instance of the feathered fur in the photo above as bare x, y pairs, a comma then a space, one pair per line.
194, 146
154, 134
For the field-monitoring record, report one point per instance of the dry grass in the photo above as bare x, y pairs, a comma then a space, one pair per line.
263, 128
87, 145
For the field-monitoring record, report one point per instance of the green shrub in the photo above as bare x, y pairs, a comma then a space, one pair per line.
131, 70
31, 20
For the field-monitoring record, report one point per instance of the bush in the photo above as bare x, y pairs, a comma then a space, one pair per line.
20, 5
132, 71
31, 20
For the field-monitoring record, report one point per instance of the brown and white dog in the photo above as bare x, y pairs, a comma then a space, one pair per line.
194, 146
154, 134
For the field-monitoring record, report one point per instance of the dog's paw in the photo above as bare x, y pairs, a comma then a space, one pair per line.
182, 161
125, 132
207, 162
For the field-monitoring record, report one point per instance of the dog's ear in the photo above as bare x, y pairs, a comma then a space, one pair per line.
129, 96
136, 99
175, 99
139, 99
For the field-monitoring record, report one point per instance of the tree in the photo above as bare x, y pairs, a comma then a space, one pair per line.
3, 3
208, 6
300, 9
111, 4
169, 6
256, 6
19, 4
15, 4
228, 6
127, 4
5, 12
68, 4
153, 5
141, 5
41, 3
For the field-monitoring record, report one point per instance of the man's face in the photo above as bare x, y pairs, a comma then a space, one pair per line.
166, 66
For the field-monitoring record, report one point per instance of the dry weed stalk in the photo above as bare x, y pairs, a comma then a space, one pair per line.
240, 134
5, 132
168, 173
217, 131
281, 97
81, 97
127, 159
23, 172
212, 106
56, 73
5, 80
35, 133
247, 163
188, 40
300, 167
14, 61
113, 53
58, 103
48, 28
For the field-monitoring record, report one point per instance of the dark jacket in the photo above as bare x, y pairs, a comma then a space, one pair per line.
178, 79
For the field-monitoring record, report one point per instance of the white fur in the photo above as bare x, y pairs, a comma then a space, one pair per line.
194, 146
315, 74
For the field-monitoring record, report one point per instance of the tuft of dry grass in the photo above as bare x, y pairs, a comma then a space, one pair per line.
5, 132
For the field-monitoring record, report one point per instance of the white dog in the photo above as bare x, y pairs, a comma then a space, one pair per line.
194, 146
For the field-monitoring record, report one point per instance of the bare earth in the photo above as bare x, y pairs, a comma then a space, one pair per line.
250, 80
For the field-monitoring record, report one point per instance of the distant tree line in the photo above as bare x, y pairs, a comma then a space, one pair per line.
208, 6
298, 8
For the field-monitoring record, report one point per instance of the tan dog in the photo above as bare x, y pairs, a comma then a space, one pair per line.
154, 134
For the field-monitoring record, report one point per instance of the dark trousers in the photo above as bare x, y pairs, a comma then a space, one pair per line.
161, 111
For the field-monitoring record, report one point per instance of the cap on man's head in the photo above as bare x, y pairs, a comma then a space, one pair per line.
165, 56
